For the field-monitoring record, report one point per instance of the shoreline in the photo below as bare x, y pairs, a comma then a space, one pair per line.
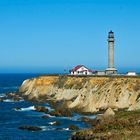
121, 125
87, 95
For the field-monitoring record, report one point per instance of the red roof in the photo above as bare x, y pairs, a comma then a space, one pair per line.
84, 70
76, 68
79, 66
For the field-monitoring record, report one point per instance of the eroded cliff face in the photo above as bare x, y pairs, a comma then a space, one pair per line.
90, 94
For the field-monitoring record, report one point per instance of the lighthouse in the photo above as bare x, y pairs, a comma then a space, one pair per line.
111, 69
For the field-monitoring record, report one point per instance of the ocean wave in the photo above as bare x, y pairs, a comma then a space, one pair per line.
90, 116
77, 117
30, 108
49, 108
8, 100
46, 128
50, 116
69, 118
2, 95
43, 128
52, 123
66, 129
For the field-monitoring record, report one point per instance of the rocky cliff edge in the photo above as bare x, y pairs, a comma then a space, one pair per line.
89, 94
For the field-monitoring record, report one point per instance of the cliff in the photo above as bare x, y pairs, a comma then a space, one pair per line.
89, 94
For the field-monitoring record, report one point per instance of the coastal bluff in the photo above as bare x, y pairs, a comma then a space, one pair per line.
88, 94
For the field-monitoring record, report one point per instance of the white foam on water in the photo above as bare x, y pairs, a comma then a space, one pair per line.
45, 128
21, 100
52, 123
49, 108
77, 117
2, 95
67, 129
90, 117
30, 108
8, 100
69, 118
50, 116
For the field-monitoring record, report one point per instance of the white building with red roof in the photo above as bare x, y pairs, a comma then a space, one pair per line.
81, 70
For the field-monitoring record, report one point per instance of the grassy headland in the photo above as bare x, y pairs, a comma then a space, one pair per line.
125, 125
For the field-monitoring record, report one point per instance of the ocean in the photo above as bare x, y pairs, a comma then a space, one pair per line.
11, 119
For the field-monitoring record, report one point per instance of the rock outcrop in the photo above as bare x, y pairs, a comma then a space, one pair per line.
109, 112
89, 94
30, 128
123, 125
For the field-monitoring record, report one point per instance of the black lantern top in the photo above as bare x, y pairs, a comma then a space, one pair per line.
111, 34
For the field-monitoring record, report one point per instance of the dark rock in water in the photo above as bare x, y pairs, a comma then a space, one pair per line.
73, 127
10, 95
45, 117
61, 112
30, 128
56, 123
85, 119
16, 99
13, 96
17, 108
41, 109
92, 122
1, 100
55, 113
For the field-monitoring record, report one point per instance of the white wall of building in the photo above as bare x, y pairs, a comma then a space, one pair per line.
131, 74
81, 71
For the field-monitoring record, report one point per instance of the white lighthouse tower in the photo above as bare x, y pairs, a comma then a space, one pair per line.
111, 69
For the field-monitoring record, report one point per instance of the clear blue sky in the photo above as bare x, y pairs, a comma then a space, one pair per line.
53, 35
